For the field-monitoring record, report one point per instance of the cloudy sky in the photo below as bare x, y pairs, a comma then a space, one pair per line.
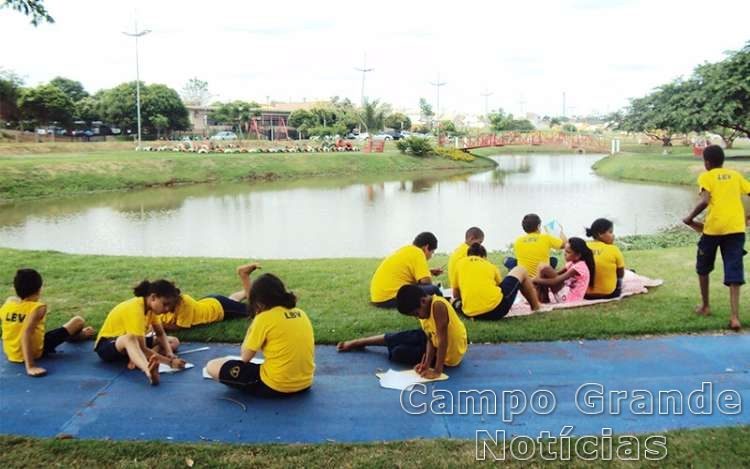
526, 53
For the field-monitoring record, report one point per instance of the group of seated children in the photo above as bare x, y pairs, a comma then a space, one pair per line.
479, 291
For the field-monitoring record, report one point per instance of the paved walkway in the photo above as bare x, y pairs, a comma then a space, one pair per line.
86, 398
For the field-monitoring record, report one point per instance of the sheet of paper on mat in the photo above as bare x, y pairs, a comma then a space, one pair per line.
256, 360
164, 368
403, 379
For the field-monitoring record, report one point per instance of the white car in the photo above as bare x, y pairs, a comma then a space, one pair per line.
225, 135
363, 136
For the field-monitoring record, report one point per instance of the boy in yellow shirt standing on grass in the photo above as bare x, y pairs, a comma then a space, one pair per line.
533, 248
721, 192
473, 235
23, 319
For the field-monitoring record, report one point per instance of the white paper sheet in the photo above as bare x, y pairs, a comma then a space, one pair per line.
404, 379
256, 360
164, 368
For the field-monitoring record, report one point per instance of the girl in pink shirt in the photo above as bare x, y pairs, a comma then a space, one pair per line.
569, 284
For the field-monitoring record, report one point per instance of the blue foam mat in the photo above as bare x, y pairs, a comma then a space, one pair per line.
86, 398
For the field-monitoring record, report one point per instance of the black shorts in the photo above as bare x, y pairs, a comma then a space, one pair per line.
246, 377
406, 347
232, 309
732, 250
509, 286
54, 338
107, 350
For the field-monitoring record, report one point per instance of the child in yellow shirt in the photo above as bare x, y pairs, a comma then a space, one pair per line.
533, 248
721, 191
473, 235
23, 323
441, 340
609, 262
281, 331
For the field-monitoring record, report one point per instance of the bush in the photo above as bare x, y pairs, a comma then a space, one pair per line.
453, 154
416, 146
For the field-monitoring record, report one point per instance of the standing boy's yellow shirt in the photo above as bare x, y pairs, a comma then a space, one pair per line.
479, 280
286, 338
16, 315
129, 317
190, 312
607, 259
457, 339
457, 254
726, 214
534, 248
406, 266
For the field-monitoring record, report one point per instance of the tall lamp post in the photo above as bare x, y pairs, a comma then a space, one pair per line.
136, 34
438, 84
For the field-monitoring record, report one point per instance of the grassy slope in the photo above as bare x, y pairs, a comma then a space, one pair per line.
44, 175
334, 292
720, 447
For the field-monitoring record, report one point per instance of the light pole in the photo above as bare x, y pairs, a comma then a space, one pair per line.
364, 71
486, 95
136, 34
437, 84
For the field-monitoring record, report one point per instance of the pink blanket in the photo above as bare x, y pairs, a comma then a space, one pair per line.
632, 284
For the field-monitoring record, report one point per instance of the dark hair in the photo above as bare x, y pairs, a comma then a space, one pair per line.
474, 233
600, 226
531, 222
27, 282
580, 247
409, 298
476, 249
426, 239
714, 155
161, 288
268, 290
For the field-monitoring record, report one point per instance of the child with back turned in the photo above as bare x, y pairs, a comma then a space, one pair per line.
23, 322
533, 249
721, 191
473, 235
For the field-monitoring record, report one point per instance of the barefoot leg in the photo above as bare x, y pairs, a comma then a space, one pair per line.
527, 288
360, 343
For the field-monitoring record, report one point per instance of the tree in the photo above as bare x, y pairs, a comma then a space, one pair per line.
425, 111
236, 113
660, 115
372, 115
501, 122
118, 106
195, 92
398, 121
10, 87
160, 122
45, 104
74, 89
33, 8
87, 109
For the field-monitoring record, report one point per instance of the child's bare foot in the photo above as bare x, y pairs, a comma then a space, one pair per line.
735, 325
347, 346
87, 333
153, 371
702, 310
36, 371
131, 365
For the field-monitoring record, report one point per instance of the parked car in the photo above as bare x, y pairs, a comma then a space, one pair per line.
225, 135
363, 136
382, 136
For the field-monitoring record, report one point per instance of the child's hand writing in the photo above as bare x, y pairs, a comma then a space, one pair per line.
177, 363
429, 373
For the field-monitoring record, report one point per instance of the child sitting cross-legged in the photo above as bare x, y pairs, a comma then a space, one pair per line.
570, 283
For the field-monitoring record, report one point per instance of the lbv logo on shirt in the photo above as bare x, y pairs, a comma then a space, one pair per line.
15, 317
292, 314
724, 177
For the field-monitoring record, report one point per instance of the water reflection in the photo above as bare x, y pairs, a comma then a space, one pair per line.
341, 217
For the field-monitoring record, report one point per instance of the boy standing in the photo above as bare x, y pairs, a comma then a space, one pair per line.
441, 341
23, 318
533, 248
721, 192
406, 266
473, 235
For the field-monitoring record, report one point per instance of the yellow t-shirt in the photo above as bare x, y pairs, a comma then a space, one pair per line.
16, 315
129, 317
457, 340
478, 280
403, 267
457, 254
190, 312
607, 259
286, 338
726, 214
534, 248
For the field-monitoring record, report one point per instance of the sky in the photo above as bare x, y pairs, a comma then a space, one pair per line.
526, 53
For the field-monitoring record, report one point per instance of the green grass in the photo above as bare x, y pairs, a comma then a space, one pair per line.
335, 292
714, 447
24, 176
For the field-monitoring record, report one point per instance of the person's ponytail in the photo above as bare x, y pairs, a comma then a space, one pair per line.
161, 288
580, 247
142, 289
600, 226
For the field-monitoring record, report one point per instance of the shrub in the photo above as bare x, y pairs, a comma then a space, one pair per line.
453, 154
416, 146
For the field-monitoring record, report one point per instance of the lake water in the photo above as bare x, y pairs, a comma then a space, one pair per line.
343, 218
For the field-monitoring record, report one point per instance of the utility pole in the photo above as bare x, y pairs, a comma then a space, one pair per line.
521, 103
364, 71
486, 95
563, 103
136, 34
437, 84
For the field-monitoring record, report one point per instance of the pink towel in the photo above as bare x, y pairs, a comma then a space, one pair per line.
632, 284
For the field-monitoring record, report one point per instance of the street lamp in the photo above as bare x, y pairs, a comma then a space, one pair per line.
136, 34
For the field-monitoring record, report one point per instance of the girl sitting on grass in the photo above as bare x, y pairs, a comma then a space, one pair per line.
609, 261
281, 331
570, 283
123, 335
